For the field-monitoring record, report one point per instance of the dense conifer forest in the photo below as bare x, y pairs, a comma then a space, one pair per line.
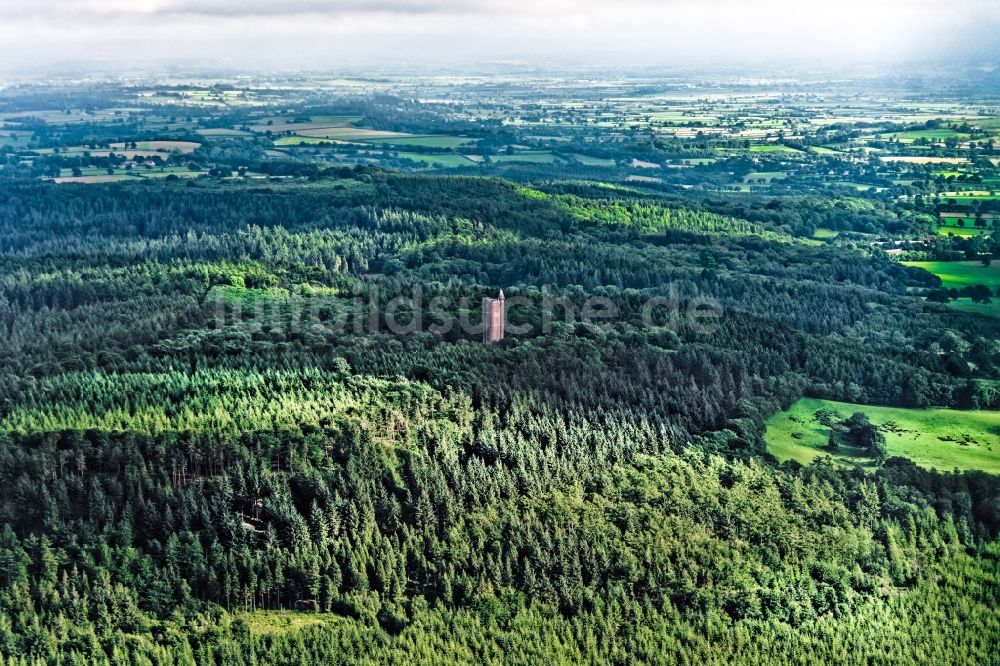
213, 450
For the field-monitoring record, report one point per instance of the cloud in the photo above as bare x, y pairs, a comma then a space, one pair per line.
104, 9
245, 8
323, 33
249, 8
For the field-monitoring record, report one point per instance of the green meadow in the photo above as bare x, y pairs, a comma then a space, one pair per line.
943, 439
533, 157
180, 172
339, 119
772, 148
302, 140
352, 135
588, 160
379, 137
973, 196
18, 140
764, 175
94, 179
222, 132
95, 175
424, 141
958, 274
933, 135
446, 161
963, 232
991, 309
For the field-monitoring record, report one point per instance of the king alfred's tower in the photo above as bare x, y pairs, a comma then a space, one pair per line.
493, 318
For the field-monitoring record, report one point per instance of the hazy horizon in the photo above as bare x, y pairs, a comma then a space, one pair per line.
313, 34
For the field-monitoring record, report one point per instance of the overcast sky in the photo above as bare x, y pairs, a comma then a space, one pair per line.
325, 34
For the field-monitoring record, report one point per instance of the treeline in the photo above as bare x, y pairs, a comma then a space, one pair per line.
796, 215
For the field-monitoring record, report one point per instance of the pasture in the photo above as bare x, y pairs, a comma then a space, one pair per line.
932, 135
588, 160
351, 133
963, 232
117, 149
310, 134
970, 196
958, 274
445, 161
430, 141
222, 132
924, 159
95, 175
93, 179
180, 172
16, 140
531, 157
772, 148
764, 176
825, 234
379, 137
304, 141
91, 171
943, 439
159, 146
991, 309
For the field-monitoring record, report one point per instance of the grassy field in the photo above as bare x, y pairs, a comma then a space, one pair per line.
283, 124
15, 140
351, 133
960, 231
339, 119
588, 160
933, 135
859, 187
942, 439
958, 274
772, 148
81, 151
434, 141
970, 196
161, 146
915, 159
95, 175
824, 234
764, 175
441, 161
538, 157
222, 132
379, 137
403, 141
303, 140
986, 309
93, 179
180, 172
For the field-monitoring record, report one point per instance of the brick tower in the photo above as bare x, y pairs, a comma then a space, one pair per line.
493, 318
